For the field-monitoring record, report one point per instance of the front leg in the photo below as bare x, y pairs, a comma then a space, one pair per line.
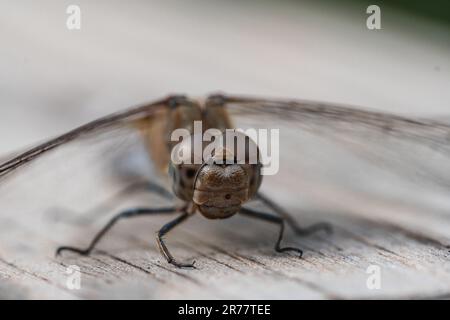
162, 246
274, 219
125, 214
322, 226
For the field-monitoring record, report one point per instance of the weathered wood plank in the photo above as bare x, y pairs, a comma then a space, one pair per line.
235, 259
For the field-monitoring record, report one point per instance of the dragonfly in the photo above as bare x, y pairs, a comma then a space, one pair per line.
219, 190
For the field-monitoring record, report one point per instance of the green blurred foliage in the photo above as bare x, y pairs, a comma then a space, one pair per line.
437, 10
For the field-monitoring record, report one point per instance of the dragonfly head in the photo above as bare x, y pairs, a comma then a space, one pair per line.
222, 185
219, 185
220, 190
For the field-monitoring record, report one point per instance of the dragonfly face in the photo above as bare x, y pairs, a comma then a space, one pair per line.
221, 189
219, 186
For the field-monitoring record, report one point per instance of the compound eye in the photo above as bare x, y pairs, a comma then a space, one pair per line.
190, 173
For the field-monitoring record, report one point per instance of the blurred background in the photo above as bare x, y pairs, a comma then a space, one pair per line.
126, 53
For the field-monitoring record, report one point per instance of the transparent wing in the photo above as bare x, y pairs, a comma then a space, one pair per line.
353, 159
344, 120
388, 137
90, 129
78, 176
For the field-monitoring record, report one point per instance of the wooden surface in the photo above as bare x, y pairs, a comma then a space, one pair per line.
235, 259
59, 79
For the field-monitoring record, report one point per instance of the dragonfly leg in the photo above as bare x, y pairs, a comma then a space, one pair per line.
148, 186
62, 214
162, 246
274, 219
322, 226
159, 190
125, 214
